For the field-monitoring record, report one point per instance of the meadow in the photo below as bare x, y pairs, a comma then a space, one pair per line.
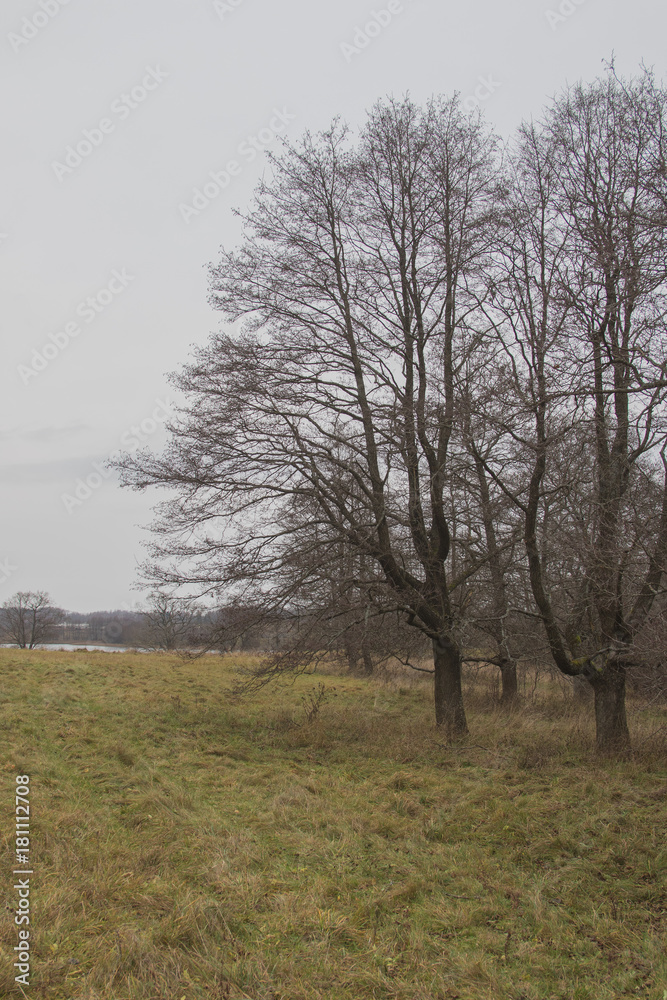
320, 839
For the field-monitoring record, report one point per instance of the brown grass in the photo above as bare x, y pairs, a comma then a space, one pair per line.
188, 844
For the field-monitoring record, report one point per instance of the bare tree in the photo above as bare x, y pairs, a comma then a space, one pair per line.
489, 530
354, 282
169, 622
580, 309
29, 618
435, 356
492, 616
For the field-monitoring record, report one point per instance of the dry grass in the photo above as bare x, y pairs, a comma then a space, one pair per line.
187, 845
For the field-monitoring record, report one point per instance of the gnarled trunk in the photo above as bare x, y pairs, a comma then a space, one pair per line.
611, 724
449, 710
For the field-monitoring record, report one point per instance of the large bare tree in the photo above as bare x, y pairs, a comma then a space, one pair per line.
354, 283
579, 306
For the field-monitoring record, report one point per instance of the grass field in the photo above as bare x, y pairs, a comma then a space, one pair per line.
187, 844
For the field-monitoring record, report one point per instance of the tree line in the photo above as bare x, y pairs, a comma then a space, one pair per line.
30, 619
442, 425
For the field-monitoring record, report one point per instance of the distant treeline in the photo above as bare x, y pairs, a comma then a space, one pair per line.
132, 628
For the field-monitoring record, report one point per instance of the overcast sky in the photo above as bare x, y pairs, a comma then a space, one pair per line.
115, 113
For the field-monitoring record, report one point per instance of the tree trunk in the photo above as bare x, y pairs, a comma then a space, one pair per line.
611, 725
449, 710
367, 658
510, 687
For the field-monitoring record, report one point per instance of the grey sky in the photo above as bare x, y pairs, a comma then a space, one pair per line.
168, 92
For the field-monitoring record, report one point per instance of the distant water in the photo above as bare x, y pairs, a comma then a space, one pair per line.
70, 647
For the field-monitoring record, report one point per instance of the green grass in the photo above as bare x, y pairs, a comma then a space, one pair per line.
187, 844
